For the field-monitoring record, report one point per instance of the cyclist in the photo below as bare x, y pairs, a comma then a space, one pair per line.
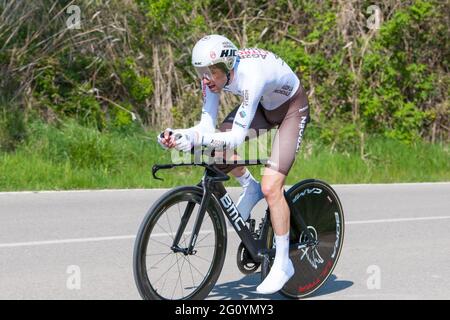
272, 96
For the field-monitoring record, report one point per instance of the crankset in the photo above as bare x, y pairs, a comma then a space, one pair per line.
244, 260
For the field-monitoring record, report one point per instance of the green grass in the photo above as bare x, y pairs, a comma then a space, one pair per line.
386, 161
74, 157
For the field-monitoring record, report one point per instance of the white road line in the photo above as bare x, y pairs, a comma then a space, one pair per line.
397, 220
229, 230
42, 243
166, 189
78, 240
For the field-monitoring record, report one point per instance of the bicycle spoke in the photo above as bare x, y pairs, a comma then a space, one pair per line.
157, 254
166, 272
200, 257
176, 263
164, 244
192, 274
160, 260
212, 246
203, 238
189, 261
170, 227
179, 278
191, 265
164, 283
170, 234
175, 286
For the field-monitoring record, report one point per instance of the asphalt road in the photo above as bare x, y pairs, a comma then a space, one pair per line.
79, 245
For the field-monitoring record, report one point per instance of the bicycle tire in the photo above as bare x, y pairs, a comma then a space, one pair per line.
141, 275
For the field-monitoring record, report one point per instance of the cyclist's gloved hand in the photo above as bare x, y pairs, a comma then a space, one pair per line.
184, 140
164, 138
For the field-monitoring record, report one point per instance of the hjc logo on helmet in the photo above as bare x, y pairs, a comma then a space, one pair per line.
228, 53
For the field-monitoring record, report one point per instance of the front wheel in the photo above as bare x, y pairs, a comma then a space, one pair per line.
321, 210
163, 267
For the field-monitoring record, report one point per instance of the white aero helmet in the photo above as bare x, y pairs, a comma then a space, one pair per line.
211, 50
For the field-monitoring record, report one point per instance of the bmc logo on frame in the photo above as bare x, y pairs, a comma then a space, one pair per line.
232, 211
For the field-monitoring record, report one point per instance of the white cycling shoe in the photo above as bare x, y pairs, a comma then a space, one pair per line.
282, 269
276, 279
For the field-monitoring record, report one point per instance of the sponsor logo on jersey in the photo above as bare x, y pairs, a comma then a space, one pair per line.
303, 109
240, 124
252, 53
217, 144
301, 126
285, 90
246, 98
242, 114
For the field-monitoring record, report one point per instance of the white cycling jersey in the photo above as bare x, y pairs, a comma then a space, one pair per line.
260, 76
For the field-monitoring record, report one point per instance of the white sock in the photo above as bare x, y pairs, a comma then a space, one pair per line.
282, 269
250, 196
246, 178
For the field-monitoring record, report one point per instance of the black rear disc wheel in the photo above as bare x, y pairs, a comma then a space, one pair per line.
320, 208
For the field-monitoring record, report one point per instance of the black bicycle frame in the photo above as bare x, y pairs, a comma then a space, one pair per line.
212, 185
256, 247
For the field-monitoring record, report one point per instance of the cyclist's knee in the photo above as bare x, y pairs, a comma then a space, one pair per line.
272, 189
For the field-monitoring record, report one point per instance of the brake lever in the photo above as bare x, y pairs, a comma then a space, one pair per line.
156, 167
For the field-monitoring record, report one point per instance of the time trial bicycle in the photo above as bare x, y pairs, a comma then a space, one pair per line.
181, 244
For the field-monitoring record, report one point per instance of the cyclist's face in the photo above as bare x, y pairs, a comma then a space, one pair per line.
215, 80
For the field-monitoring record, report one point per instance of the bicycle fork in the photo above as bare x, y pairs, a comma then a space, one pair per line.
205, 184
197, 225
